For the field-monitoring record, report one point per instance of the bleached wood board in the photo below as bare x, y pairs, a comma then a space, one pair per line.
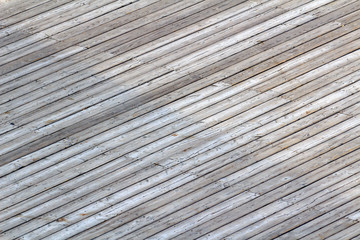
179, 119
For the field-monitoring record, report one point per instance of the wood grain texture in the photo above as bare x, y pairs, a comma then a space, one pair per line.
192, 119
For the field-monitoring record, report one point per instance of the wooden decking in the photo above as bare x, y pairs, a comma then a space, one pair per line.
168, 119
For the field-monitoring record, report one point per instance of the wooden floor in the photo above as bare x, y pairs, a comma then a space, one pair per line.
168, 119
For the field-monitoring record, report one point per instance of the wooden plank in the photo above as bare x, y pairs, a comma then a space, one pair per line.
56, 8
327, 224
347, 233
256, 215
179, 119
10, 8
164, 211
331, 229
144, 48
78, 24
61, 46
66, 81
240, 86
6, 41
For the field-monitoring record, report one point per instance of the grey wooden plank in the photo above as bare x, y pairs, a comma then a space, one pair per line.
347, 233
203, 14
247, 231
133, 213
64, 21
232, 214
87, 55
78, 24
331, 229
5, 41
323, 226
10, 8
253, 216
81, 37
192, 119
64, 6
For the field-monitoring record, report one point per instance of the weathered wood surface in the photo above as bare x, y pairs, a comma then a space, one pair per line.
193, 119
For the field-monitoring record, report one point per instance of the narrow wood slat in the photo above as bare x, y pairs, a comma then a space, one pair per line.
347, 233
192, 119
11, 8
325, 225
